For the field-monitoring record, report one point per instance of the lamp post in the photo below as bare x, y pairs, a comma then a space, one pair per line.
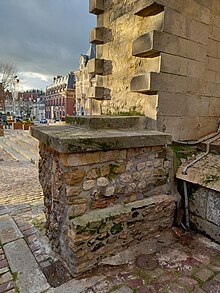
15, 91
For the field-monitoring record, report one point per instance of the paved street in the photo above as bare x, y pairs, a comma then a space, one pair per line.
174, 261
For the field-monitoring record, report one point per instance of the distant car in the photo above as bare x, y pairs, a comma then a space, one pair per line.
18, 119
43, 121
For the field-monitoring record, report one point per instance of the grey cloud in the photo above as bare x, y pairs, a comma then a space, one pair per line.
45, 36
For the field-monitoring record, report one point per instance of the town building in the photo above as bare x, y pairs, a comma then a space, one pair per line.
2, 98
26, 101
60, 97
85, 80
38, 109
20, 104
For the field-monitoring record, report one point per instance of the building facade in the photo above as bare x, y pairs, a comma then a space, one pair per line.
84, 80
2, 98
38, 110
60, 97
21, 104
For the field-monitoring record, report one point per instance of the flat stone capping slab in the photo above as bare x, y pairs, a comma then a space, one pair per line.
30, 279
8, 230
107, 122
118, 210
204, 173
70, 139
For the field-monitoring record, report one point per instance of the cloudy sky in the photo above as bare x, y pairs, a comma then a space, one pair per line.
43, 38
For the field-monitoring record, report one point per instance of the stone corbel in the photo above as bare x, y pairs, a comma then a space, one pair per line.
100, 35
98, 93
146, 45
143, 84
96, 6
96, 66
149, 8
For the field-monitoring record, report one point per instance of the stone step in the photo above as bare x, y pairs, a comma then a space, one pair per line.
29, 277
23, 152
13, 153
8, 230
25, 135
25, 144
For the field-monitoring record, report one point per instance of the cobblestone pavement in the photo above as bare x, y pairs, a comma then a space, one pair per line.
19, 183
191, 263
21, 197
181, 263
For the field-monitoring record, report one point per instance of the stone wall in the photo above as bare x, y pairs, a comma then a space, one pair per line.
205, 211
160, 58
98, 203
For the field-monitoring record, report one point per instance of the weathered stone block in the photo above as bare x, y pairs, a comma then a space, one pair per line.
198, 31
154, 42
142, 84
213, 64
196, 69
209, 228
96, 92
81, 159
96, 6
212, 89
175, 23
74, 177
215, 33
96, 35
173, 64
96, 66
213, 48
213, 208
143, 46
148, 8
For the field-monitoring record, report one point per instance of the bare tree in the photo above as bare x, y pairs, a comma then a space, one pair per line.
8, 74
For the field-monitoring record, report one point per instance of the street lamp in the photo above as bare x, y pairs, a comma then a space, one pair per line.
15, 93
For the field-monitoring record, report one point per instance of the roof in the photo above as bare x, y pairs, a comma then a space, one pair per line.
90, 54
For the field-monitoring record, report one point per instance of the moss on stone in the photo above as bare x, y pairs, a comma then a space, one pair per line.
111, 177
116, 228
101, 238
97, 246
211, 178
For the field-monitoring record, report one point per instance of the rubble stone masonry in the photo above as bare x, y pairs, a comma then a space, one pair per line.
161, 59
98, 203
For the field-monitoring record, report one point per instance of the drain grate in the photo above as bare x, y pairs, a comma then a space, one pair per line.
56, 274
146, 262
